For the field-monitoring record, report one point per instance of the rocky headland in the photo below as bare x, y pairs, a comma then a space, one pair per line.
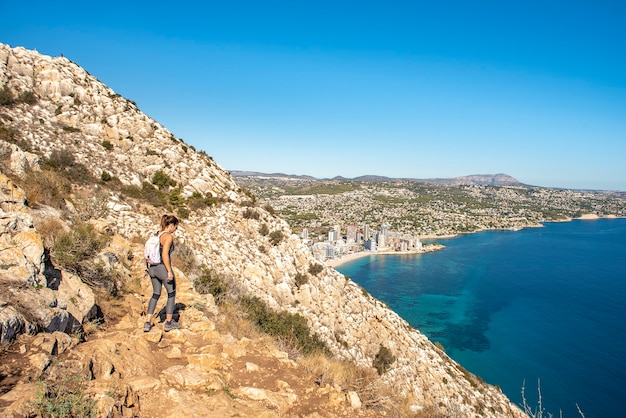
126, 170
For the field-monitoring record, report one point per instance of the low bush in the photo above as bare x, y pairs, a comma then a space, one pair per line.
59, 159
184, 258
46, 187
27, 97
264, 230
301, 279
6, 134
91, 203
315, 268
209, 282
250, 214
251, 197
269, 209
75, 250
107, 145
64, 399
196, 201
50, 229
276, 237
182, 212
383, 360
147, 193
289, 328
162, 180
6, 97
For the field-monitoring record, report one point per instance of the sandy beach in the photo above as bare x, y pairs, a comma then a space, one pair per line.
353, 256
334, 262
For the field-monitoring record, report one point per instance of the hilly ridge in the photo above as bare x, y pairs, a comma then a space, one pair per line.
127, 169
499, 179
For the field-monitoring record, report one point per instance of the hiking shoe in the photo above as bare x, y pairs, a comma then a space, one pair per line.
147, 327
171, 325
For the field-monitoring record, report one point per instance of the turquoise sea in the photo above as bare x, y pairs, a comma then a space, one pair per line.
517, 307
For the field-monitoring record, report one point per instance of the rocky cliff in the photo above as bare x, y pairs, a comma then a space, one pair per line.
51, 105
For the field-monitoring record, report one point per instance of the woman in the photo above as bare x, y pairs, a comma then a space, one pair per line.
162, 274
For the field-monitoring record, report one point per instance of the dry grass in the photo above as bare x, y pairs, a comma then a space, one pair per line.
113, 308
50, 229
374, 394
45, 187
91, 204
231, 321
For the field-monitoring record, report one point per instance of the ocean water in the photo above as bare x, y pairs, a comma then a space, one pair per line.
541, 306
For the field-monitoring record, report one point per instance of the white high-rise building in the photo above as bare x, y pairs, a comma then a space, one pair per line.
351, 233
366, 232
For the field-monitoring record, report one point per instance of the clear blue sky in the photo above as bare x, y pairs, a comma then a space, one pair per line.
533, 89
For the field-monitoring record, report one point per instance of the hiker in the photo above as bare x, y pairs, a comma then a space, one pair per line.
162, 274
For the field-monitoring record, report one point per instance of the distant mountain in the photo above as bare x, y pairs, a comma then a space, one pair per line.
499, 179
236, 173
483, 179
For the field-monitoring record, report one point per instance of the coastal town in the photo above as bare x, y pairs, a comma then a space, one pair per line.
338, 218
362, 241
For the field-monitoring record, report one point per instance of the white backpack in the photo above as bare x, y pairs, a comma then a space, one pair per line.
152, 249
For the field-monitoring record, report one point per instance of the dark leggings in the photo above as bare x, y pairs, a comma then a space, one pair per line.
158, 276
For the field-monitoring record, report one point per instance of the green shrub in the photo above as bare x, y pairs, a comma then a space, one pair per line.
107, 145
105, 176
6, 134
70, 129
197, 202
276, 237
182, 212
249, 194
269, 209
250, 214
315, 269
162, 180
175, 198
289, 328
264, 230
27, 97
75, 250
62, 161
208, 282
64, 399
6, 97
301, 279
147, 193
184, 258
59, 159
383, 360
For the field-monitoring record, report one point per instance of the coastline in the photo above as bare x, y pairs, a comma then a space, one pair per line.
335, 262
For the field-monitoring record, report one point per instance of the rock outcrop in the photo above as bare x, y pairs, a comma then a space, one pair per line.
109, 136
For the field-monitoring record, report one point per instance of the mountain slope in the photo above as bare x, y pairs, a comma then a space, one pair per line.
59, 110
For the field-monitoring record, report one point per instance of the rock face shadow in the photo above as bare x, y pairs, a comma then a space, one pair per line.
178, 307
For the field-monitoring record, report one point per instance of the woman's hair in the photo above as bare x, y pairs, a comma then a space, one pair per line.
168, 220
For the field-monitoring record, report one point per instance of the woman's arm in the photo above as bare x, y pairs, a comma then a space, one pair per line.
166, 243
